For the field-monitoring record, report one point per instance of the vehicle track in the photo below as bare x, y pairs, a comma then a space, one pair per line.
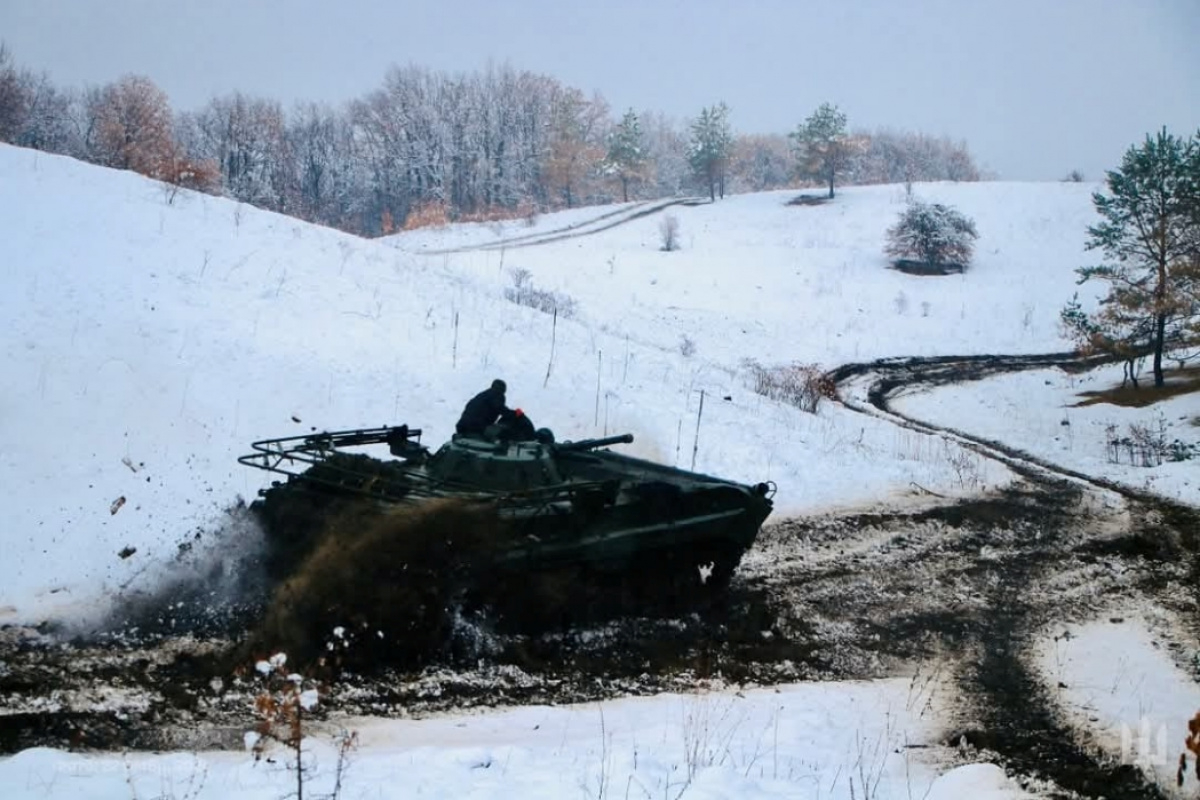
1008, 708
608, 221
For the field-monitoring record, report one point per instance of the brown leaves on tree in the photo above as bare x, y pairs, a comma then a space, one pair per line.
134, 130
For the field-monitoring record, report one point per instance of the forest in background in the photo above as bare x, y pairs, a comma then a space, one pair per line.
427, 147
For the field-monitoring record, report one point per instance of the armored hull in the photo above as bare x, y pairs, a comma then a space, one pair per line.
574, 506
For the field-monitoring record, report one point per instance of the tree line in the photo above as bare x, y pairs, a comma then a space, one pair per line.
428, 146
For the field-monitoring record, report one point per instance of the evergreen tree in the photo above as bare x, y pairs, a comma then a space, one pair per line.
822, 145
626, 158
1150, 235
934, 234
710, 147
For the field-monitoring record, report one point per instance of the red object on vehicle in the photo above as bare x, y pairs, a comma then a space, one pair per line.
519, 413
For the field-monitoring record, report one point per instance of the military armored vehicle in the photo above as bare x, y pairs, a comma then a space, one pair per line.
567, 504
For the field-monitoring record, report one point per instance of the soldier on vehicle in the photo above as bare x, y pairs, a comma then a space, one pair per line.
484, 410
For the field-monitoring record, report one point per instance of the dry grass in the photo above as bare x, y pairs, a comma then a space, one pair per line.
526, 211
801, 385
1178, 382
430, 214
436, 214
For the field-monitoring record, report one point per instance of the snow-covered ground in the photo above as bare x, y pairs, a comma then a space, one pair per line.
816, 740
1060, 430
147, 342
1128, 688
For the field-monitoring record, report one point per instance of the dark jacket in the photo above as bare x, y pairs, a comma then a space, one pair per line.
481, 411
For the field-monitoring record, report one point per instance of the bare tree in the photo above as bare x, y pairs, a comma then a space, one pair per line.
886, 156
12, 99
246, 138
133, 126
49, 117
575, 148
759, 163
670, 174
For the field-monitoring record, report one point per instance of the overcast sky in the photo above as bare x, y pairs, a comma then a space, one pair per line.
1036, 87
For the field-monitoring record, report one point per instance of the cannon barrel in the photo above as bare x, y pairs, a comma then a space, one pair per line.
592, 444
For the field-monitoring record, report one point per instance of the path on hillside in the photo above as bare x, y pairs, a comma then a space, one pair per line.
604, 222
955, 593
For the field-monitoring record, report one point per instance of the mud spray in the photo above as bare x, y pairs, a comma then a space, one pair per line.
381, 586
213, 586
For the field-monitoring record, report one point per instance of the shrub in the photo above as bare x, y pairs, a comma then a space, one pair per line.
800, 385
1145, 445
430, 214
934, 234
524, 293
668, 231
179, 172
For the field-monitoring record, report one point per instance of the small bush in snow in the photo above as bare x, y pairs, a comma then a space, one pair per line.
524, 293
934, 234
283, 705
1145, 445
801, 385
687, 347
668, 231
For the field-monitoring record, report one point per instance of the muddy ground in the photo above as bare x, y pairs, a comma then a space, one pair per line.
947, 591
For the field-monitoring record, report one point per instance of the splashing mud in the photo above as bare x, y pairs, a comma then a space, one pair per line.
381, 586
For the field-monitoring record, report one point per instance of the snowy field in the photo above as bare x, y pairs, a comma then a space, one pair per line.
814, 740
1062, 431
1119, 681
148, 342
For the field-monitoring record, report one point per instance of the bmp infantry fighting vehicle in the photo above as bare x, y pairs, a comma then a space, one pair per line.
575, 505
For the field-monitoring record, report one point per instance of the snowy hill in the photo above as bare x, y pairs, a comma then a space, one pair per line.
757, 277
148, 342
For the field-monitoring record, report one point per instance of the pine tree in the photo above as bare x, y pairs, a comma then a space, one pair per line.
1150, 234
822, 145
626, 158
710, 147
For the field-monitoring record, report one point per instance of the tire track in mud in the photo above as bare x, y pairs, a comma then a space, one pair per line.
1008, 708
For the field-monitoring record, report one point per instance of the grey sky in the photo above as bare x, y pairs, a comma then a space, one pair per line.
1036, 88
